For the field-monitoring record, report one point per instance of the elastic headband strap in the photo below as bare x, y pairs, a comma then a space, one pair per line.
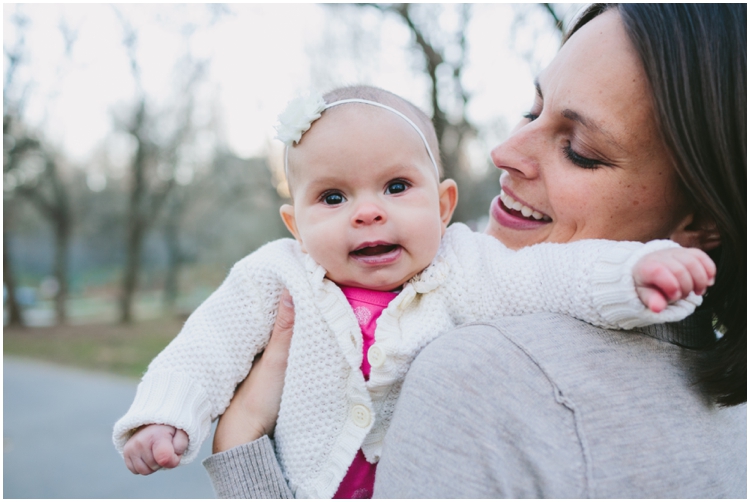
379, 105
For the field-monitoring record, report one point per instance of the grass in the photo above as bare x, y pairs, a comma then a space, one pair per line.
119, 349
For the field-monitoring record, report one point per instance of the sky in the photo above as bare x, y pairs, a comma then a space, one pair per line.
260, 56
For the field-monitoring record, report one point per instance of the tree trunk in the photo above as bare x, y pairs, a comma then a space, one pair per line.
62, 239
132, 269
60, 215
15, 317
136, 223
171, 283
175, 256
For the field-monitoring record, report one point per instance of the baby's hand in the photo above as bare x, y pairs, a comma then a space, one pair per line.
153, 447
669, 275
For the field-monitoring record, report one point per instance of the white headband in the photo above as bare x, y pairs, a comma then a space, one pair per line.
303, 111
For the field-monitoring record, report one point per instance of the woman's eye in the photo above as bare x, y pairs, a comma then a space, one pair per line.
395, 187
579, 160
333, 198
531, 117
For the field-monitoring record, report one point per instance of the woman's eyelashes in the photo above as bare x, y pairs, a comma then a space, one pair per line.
579, 160
570, 154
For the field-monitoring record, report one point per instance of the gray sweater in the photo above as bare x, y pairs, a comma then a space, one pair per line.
543, 406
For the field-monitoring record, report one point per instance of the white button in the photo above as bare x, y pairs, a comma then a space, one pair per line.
376, 356
360, 416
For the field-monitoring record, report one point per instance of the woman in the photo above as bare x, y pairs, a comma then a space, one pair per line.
638, 132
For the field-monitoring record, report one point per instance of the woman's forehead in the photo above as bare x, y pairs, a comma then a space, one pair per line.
597, 81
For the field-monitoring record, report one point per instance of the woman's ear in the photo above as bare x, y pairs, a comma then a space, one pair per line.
697, 232
287, 215
448, 191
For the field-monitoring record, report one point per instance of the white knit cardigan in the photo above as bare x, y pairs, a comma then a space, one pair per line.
328, 411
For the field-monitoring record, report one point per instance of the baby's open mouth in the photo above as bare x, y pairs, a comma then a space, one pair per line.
374, 249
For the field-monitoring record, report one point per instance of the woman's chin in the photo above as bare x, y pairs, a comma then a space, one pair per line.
513, 231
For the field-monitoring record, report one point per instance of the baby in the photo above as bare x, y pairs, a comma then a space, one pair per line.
376, 274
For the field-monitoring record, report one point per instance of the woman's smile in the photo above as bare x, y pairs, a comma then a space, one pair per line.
507, 210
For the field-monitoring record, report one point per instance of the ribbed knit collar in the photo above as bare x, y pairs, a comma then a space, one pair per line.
694, 332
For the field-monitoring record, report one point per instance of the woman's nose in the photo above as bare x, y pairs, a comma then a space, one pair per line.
520, 154
368, 213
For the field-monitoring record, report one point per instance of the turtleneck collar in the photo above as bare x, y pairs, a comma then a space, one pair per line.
694, 332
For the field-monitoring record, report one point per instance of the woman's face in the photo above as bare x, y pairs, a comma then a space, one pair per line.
587, 162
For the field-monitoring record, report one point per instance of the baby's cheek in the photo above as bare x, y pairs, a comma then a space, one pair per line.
429, 244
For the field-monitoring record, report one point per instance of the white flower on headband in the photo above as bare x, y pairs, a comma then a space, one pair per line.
299, 115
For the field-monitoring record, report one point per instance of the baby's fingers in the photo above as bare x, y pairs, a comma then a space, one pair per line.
180, 442
652, 298
652, 272
701, 268
699, 278
138, 465
164, 453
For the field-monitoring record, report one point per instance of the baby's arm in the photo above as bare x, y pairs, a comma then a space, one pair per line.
154, 447
669, 275
192, 381
591, 280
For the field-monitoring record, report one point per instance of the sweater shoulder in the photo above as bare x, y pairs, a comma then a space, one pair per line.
596, 374
490, 408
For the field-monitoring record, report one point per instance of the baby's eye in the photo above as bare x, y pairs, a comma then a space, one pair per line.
395, 187
333, 198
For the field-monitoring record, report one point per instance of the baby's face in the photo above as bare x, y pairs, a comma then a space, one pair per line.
367, 203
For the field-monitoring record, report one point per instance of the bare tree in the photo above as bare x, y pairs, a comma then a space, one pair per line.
31, 171
153, 164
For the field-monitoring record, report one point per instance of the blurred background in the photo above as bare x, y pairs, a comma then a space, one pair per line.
139, 164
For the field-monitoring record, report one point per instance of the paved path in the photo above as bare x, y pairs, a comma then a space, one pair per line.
57, 429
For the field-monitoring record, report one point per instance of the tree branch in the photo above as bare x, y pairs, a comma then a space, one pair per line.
555, 17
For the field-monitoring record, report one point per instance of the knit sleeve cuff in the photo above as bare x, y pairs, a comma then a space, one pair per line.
168, 398
614, 293
248, 471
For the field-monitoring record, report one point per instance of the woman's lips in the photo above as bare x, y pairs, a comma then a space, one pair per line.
515, 219
376, 253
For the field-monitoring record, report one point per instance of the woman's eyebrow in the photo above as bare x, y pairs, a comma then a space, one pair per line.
583, 120
592, 125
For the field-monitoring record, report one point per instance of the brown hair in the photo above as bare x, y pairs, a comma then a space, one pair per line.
695, 58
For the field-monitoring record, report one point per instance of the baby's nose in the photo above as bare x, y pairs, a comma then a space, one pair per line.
367, 214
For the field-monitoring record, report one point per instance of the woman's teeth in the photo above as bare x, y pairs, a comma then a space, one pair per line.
526, 211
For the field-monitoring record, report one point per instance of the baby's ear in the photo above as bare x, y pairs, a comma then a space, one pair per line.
287, 215
448, 191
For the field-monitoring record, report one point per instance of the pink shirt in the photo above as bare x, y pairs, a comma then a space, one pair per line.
367, 306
